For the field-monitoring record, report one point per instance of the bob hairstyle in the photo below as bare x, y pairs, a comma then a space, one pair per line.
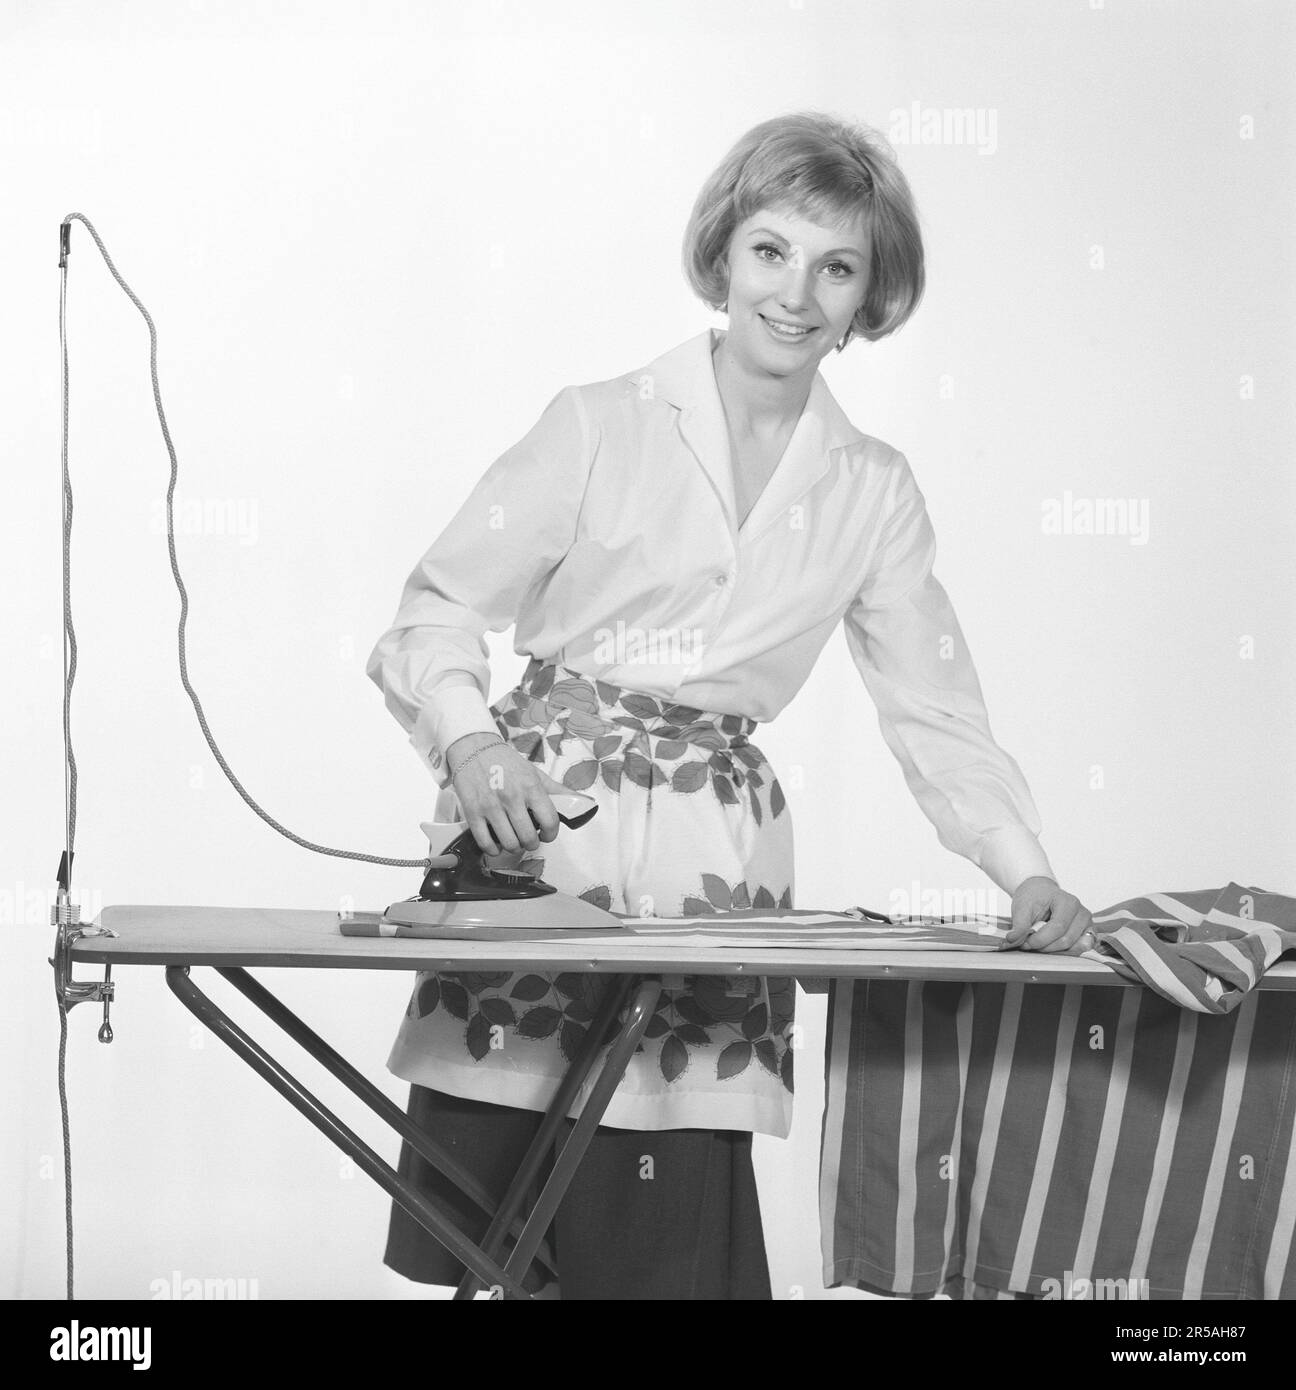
827, 171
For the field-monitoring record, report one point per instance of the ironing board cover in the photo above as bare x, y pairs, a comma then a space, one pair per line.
1203, 950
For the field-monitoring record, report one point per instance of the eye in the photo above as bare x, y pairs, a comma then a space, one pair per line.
761, 247
846, 270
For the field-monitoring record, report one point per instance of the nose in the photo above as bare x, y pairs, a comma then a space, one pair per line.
794, 292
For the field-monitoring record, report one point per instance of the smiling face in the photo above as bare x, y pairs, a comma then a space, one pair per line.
794, 287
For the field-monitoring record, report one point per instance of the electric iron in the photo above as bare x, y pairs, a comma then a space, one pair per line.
463, 889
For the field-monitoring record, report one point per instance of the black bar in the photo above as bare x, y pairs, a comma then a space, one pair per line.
402, 1192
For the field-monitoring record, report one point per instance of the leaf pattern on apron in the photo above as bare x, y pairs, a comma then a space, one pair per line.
691, 820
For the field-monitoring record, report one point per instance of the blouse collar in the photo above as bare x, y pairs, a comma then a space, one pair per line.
685, 378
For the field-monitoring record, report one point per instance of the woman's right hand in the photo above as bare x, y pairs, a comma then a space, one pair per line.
499, 791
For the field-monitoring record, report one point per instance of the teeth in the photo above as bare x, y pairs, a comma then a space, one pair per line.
787, 330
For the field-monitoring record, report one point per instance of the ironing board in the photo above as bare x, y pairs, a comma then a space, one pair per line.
234, 940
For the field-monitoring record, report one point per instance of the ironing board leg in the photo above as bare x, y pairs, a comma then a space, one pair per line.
637, 1019
618, 987
614, 1066
376, 1100
402, 1192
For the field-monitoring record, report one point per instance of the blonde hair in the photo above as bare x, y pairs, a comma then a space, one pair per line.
828, 171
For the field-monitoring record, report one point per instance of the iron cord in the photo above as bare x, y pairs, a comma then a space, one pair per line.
67, 1141
70, 666
175, 570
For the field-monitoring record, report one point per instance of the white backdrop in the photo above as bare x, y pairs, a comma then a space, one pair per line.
376, 240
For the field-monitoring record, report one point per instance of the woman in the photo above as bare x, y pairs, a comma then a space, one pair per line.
676, 545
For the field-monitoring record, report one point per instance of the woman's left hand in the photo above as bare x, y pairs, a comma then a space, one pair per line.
1063, 922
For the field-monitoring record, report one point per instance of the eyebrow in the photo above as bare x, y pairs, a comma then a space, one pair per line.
837, 251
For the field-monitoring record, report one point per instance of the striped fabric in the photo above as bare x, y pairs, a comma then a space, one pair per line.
1049, 1141
742, 928
1202, 950
853, 930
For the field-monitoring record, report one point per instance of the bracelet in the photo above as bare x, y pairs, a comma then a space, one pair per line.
473, 755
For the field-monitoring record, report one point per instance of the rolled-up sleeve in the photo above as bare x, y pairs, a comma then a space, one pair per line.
906, 643
516, 525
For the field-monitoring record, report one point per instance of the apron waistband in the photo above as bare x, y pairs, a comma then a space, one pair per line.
596, 706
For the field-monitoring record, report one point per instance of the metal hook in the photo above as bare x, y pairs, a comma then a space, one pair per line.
65, 915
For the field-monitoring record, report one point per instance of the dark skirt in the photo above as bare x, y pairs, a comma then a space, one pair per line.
650, 1214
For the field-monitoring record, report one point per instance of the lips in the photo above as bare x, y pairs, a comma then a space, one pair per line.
787, 331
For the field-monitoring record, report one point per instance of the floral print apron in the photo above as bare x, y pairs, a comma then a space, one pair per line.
691, 819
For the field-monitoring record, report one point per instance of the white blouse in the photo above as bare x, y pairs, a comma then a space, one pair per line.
609, 534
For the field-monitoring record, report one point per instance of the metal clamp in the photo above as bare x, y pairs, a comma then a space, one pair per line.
65, 915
